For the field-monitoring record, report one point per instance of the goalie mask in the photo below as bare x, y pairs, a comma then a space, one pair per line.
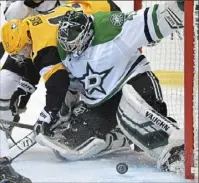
75, 32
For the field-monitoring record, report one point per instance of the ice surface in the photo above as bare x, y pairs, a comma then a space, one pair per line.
40, 164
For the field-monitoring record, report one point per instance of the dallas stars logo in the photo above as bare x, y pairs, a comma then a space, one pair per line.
93, 81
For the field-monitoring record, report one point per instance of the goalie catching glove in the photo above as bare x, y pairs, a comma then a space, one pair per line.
21, 97
46, 120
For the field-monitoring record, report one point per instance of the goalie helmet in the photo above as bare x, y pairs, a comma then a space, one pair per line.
75, 32
14, 36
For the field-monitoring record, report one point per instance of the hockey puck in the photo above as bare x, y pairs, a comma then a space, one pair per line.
122, 168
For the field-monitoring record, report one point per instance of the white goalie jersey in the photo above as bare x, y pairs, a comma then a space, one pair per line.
104, 68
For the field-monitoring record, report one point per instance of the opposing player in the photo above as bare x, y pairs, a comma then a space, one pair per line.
11, 73
101, 52
45, 57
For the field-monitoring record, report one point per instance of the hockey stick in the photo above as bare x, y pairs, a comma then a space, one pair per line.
22, 146
25, 143
141, 106
20, 125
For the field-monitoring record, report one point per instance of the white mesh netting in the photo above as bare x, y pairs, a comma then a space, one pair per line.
167, 59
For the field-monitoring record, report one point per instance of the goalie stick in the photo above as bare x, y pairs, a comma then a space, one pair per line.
29, 140
23, 144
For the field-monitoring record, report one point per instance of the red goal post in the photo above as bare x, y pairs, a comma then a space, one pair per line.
188, 87
189, 56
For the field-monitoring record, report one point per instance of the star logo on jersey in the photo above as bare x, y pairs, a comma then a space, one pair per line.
93, 81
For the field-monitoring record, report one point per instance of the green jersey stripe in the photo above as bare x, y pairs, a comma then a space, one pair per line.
155, 22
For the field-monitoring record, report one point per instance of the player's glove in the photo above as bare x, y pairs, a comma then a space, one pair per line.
46, 120
21, 97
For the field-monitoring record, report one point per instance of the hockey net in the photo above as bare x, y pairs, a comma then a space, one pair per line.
175, 62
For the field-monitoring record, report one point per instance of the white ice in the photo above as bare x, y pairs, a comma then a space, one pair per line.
40, 164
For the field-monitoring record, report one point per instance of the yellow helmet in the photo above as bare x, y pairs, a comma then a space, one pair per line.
14, 36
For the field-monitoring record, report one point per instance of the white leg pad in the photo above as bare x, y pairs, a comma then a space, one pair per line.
132, 120
87, 150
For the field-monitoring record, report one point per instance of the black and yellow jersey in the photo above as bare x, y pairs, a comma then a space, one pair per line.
43, 32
